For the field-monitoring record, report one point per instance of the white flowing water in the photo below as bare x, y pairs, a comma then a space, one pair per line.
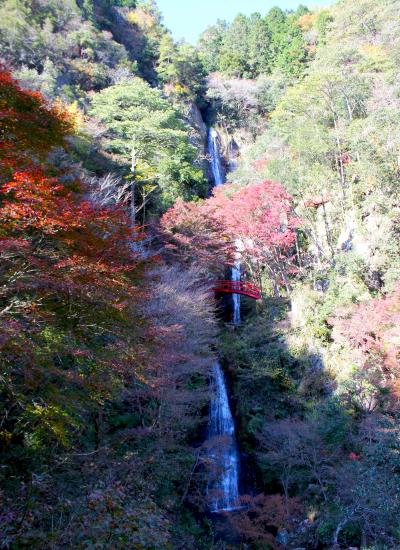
215, 157
236, 297
223, 487
219, 178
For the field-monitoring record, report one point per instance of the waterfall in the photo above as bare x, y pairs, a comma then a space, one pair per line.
223, 485
215, 157
236, 297
223, 489
219, 178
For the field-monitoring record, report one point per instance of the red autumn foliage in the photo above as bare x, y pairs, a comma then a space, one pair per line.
259, 214
27, 122
66, 269
258, 219
316, 201
196, 235
354, 456
346, 159
265, 515
87, 241
373, 329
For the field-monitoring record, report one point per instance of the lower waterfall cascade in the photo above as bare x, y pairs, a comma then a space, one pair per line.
223, 488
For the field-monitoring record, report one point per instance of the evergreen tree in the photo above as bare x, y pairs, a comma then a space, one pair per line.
234, 59
210, 44
147, 137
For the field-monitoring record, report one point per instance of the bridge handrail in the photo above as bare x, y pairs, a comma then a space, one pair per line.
237, 284
241, 287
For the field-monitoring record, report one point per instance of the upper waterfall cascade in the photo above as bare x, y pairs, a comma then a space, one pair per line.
215, 157
214, 150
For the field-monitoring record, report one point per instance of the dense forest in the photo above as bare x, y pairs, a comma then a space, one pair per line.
121, 357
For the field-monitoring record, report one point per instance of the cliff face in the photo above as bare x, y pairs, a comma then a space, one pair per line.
198, 134
231, 146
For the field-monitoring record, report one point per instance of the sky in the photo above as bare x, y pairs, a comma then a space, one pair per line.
188, 18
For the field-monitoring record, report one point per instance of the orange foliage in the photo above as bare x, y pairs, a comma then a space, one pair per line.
27, 122
307, 21
264, 516
372, 328
66, 264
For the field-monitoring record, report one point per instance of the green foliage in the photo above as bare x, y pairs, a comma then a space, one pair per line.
123, 3
334, 423
145, 134
234, 57
210, 44
71, 48
180, 69
57, 48
256, 45
91, 427
327, 139
324, 17
269, 376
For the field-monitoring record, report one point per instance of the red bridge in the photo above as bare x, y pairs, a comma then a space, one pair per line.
238, 287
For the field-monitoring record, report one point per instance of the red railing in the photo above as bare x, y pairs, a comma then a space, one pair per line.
238, 287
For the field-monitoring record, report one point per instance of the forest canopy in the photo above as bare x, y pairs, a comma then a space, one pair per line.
137, 375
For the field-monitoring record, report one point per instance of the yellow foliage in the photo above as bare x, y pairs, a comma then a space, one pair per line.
141, 18
180, 89
75, 116
307, 21
5, 436
133, 18
375, 53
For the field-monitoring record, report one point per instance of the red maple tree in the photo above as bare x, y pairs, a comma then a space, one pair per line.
256, 220
372, 329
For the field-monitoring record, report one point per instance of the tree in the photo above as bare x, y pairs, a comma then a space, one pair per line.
297, 454
255, 45
259, 45
367, 501
234, 59
167, 69
66, 267
234, 101
257, 218
181, 69
264, 514
371, 329
210, 44
260, 218
191, 70
195, 235
97, 354
28, 124
288, 52
142, 130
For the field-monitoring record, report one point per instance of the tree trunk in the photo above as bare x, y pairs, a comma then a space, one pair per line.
133, 188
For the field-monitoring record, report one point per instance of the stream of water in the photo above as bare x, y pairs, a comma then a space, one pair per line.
223, 487
215, 157
223, 483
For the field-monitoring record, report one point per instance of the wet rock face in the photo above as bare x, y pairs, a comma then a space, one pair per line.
321, 285
198, 135
233, 154
283, 537
196, 120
